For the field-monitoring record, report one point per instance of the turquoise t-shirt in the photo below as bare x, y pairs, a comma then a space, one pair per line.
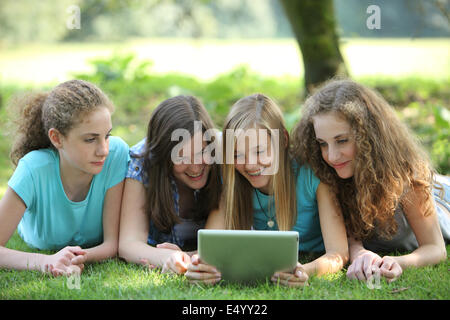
308, 223
51, 221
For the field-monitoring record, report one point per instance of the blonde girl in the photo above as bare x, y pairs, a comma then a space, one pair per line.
381, 177
273, 192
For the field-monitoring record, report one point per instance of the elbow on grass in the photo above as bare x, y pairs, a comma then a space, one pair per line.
111, 249
443, 255
345, 257
122, 251
341, 259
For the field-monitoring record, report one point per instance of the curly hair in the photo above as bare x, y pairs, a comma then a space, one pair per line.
390, 164
62, 108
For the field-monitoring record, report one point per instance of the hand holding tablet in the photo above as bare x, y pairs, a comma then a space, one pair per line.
296, 279
199, 272
247, 256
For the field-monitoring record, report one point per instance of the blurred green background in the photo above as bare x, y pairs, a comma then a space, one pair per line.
142, 52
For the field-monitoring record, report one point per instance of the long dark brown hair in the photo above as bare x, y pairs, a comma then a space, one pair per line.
62, 108
389, 161
178, 112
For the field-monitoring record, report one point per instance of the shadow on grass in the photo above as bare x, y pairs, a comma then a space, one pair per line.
115, 279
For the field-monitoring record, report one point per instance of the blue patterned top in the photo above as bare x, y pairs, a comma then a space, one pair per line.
183, 234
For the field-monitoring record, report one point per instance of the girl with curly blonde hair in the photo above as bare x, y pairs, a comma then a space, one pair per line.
380, 175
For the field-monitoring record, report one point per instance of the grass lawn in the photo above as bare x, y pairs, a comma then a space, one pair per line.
115, 279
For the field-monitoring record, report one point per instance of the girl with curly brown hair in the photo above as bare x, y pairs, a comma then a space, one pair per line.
380, 175
66, 191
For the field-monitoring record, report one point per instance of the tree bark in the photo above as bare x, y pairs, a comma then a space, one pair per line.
313, 23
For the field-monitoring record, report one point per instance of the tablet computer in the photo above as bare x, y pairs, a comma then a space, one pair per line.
248, 255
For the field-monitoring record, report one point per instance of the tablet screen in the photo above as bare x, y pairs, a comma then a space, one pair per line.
248, 256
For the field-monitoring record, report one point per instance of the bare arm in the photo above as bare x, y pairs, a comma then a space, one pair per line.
134, 228
335, 241
111, 217
333, 233
431, 248
357, 250
12, 209
198, 271
362, 260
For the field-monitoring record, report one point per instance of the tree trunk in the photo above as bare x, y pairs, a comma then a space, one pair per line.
314, 26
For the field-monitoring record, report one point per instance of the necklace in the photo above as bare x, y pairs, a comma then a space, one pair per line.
270, 222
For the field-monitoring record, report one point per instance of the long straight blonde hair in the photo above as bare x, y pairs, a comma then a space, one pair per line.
258, 111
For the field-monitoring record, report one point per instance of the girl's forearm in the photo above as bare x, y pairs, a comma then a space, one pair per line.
328, 263
191, 253
355, 249
101, 252
135, 251
13, 259
423, 256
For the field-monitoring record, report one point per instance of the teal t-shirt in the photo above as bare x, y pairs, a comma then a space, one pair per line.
308, 223
51, 221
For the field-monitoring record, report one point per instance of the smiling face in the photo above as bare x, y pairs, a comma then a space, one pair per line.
254, 160
192, 169
85, 147
336, 142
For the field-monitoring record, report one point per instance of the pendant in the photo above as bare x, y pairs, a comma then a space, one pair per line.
270, 223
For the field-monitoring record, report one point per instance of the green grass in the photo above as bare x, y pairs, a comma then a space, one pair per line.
115, 279
420, 89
